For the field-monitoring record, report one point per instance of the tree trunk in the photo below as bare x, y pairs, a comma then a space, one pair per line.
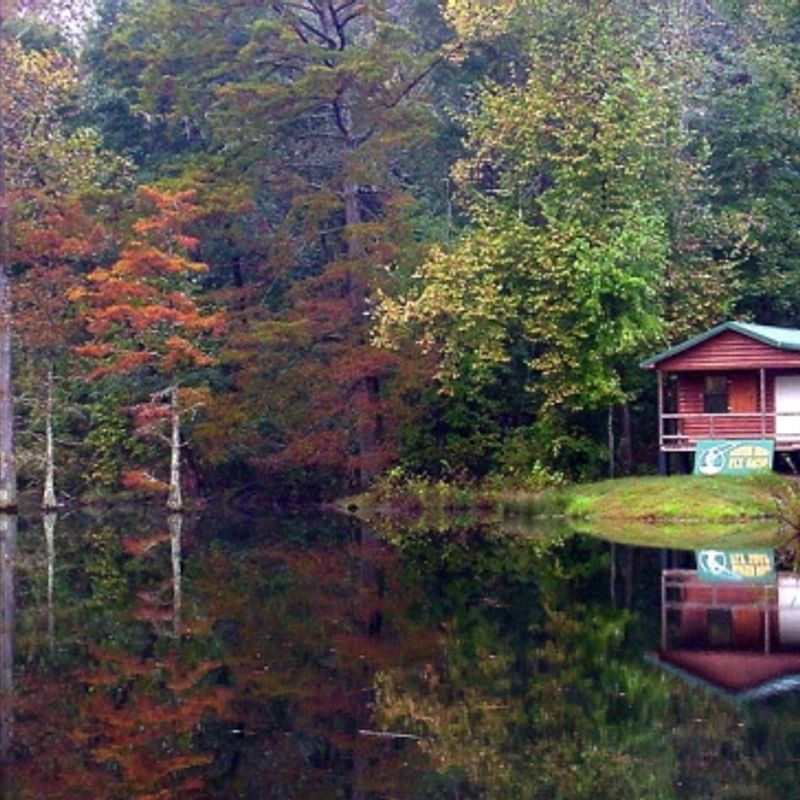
8, 467
366, 391
175, 522
626, 443
49, 499
49, 520
175, 499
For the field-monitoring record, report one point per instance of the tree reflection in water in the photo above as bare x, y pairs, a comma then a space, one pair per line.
295, 658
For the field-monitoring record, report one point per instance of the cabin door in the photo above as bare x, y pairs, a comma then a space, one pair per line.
787, 401
743, 393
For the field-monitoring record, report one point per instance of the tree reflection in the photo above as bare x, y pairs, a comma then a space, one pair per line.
308, 658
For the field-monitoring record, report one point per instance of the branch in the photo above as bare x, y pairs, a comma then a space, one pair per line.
417, 79
389, 735
320, 34
347, 4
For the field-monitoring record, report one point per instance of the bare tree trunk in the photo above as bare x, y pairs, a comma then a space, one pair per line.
626, 445
8, 466
175, 499
366, 391
175, 530
611, 442
49, 499
49, 520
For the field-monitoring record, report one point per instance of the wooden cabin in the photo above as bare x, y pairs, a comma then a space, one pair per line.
737, 380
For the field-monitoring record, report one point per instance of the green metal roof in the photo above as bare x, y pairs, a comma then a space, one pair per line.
782, 338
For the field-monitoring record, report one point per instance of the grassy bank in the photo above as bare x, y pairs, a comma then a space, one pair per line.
684, 498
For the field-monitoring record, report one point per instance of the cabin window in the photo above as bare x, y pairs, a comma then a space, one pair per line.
715, 396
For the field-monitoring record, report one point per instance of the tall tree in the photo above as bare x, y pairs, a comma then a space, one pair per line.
319, 105
8, 466
750, 119
143, 319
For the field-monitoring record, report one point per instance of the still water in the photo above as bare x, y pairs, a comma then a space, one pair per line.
146, 656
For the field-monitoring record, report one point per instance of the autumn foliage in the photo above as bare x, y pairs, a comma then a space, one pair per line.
140, 311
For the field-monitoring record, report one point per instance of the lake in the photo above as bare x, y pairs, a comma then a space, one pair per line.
241, 656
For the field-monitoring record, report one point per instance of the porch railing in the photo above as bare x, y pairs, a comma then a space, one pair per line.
681, 431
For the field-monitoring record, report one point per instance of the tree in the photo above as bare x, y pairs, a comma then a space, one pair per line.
320, 107
8, 467
750, 118
49, 243
578, 181
143, 320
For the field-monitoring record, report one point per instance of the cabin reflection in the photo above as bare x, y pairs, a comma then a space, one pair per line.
739, 638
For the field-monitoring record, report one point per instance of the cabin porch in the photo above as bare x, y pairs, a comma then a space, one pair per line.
729, 404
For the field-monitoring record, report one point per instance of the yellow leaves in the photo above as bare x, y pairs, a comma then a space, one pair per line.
474, 19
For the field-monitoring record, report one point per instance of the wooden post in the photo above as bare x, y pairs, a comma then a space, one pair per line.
663, 610
763, 399
660, 410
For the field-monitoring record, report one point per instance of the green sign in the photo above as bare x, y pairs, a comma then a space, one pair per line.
751, 566
733, 456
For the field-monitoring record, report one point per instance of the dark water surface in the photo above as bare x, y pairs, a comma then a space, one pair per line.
233, 657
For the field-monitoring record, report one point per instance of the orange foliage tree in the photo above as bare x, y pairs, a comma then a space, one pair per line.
54, 238
143, 319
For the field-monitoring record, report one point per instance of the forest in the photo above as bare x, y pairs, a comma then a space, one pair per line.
291, 247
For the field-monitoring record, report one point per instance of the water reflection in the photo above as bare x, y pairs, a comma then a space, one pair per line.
240, 657
730, 630
8, 546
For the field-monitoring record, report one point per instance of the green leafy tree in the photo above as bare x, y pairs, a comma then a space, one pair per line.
316, 108
579, 181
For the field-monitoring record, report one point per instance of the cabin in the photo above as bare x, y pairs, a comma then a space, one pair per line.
738, 639
736, 381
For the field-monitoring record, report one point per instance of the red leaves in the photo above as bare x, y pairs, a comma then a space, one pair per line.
94, 350
140, 311
142, 481
181, 352
125, 363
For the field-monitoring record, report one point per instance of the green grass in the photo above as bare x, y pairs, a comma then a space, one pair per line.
682, 498
681, 511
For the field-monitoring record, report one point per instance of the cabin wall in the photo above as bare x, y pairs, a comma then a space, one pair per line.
730, 351
690, 400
